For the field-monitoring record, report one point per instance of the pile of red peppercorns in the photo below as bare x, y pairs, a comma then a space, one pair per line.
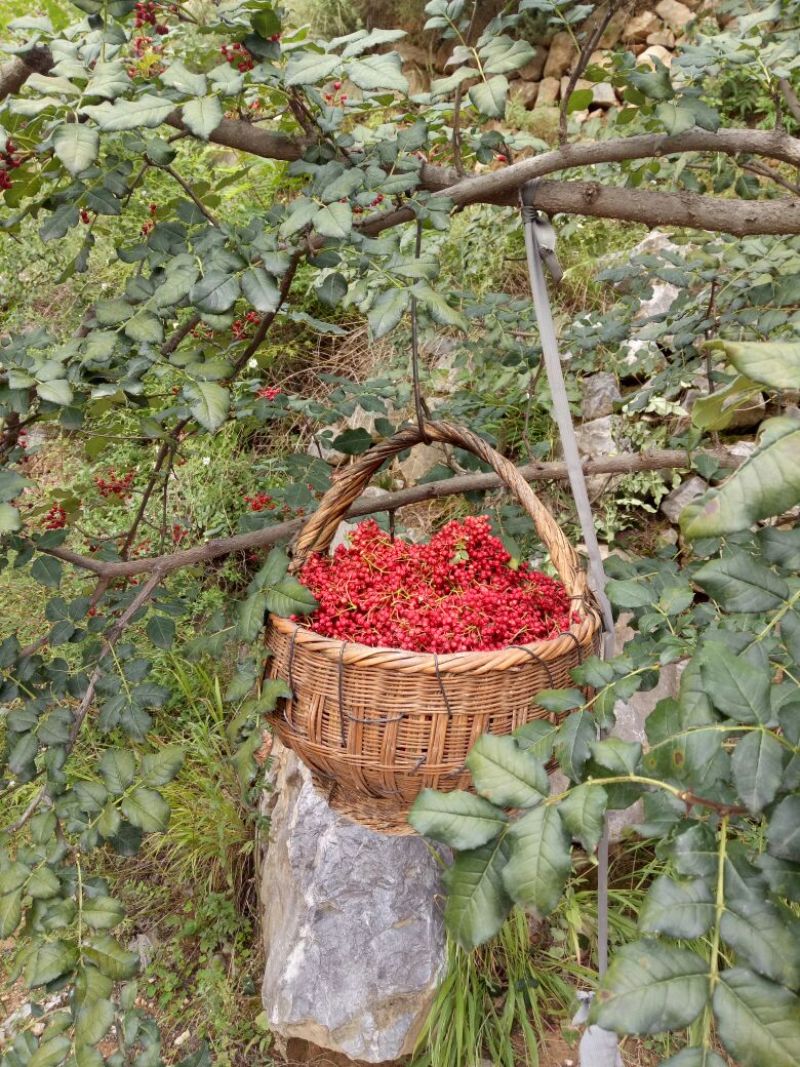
56, 518
457, 593
147, 14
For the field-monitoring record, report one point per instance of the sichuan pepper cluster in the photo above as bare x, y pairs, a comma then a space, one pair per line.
457, 593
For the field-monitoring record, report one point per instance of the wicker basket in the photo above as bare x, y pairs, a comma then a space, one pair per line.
377, 725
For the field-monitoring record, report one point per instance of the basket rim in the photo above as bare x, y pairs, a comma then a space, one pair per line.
352, 653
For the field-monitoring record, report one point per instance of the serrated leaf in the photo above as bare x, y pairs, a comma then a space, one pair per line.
489, 97
757, 1020
507, 57
675, 118
783, 832
216, 292
159, 768
537, 870
43, 883
764, 937
57, 391
695, 1057
251, 616
10, 912
47, 571
575, 735
718, 410
146, 809
770, 362
582, 813
458, 819
118, 769
102, 913
94, 1021
76, 145
757, 766
161, 631
209, 404
740, 583
111, 959
50, 1052
50, 961
695, 851
506, 775
738, 689
579, 100
767, 483
383, 71
334, 220
630, 593
146, 327
289, 597
309, 68
386, 311
679, 909
477, 902
261, 290
651, 987
176, 76
202, 116
10, 520
148, 110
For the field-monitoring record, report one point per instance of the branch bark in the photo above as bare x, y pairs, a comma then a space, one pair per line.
667, 459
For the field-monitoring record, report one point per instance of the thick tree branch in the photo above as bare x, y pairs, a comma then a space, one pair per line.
532, 472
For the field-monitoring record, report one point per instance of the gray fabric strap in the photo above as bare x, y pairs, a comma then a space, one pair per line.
540, 249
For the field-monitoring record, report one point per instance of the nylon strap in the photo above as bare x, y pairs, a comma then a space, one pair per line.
540, 249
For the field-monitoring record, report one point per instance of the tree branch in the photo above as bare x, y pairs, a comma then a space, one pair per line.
790, 96
532, 472
580, 66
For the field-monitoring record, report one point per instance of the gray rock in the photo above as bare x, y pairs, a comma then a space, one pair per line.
549, 88
675, 14
344, 529
600, 393
422, 459
353, 934
561, 55
664, 296
673, 503
638, 28
596, 437
653, 52
524, 92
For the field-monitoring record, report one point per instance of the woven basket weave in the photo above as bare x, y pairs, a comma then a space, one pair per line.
377, 725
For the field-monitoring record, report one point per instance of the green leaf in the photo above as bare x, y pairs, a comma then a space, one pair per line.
10, 912
50, 961
386, 311
333, 289
202, 116
679, 909
76, 145
458, 819
630, 593
764, 937
736, 688
695, 851
579, 100
783, 832
159, 768
289, 597
250, 621
537, 871
10, 520
118, 769
676, 119
261, 290
146, 327
617, 756
146, 809
758, 1021
489, 97
209, 404
740, 583
769, 362
43, 883
102, 913
51, 1052
111, 959
757, 767
718, 410
695, 1057
477, 902
266, 23
575, 735
176, 76
148, 110
216, 292
651, 987
57, 391
94, 1021
309, 68
334, 220
506, 775
506, 57
560, 700
582, 812
383, 71
767, 484
47, 571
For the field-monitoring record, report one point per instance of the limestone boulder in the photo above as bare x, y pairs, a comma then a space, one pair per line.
353, 934
534, 69
655, 52
675, 14
640, 26
673, 503
561, 56
600, 393
524, 92
549, 89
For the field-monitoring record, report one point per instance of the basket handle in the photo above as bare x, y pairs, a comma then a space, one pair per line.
350, 482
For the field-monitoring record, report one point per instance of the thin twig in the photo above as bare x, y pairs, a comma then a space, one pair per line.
580, 66
192, 195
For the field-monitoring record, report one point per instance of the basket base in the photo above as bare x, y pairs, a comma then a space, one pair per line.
384, 815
